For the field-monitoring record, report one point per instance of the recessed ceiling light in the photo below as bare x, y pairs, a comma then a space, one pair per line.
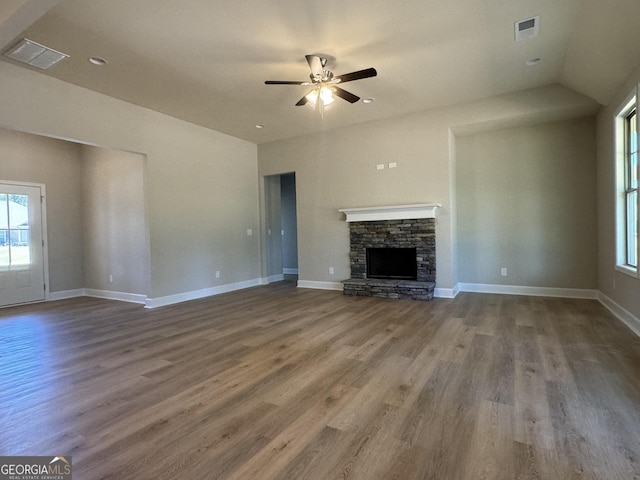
368, 100
260, 125
97, 61
533, 61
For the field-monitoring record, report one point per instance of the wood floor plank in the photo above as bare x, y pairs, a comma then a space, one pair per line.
276, 382
354, 413
532, 424
372, 447
491, 448
279, 452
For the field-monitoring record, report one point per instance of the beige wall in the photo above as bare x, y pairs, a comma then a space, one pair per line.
619, 287
201, 188
114, 222
526, 202
58, 165
337, 169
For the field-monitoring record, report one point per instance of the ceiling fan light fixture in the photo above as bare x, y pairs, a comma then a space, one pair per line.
325, 84
312, 96
324, 93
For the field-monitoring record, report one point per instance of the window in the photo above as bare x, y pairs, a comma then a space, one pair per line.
631, 189
627, 181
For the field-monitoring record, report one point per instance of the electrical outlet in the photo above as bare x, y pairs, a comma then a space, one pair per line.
330, 270
503, 271
380, 166
393, 165
249, 231
110, 278
217, 273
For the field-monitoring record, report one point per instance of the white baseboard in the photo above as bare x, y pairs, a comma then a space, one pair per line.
290, 271
446, 292
121, 296
272, 279
65, 294
205, 292
625, 316
166, 300
530, 291
91, 292
320, 285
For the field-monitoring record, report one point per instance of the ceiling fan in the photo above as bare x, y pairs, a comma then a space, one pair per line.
325, 84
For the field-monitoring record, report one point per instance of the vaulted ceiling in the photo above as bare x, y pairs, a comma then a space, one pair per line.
206, 61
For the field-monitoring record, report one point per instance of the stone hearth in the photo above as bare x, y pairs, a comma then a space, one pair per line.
403, 289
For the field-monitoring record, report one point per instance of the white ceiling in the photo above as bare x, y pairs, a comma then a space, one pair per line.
206, 61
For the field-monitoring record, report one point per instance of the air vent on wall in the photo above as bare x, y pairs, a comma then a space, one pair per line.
32, 53
526, 29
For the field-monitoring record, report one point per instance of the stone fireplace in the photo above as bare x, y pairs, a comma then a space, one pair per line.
391, 235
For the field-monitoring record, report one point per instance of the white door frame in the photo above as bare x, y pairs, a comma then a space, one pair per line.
45, 239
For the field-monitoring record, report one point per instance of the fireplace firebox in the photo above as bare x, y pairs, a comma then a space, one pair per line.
392, 263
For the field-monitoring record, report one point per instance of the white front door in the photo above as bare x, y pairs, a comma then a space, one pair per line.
21, 245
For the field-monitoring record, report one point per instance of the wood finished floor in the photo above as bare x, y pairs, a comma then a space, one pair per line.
276, 382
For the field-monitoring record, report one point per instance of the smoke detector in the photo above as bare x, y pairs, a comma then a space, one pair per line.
36, 55
527, 28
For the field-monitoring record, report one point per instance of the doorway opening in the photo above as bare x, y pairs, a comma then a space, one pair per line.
289, 225
22, 244
281, 227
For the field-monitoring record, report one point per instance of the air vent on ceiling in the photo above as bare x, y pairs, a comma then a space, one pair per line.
32, 53
526, 29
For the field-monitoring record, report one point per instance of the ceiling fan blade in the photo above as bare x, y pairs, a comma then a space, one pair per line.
284, 82
349, 77
348, 96
303, 101
315, 64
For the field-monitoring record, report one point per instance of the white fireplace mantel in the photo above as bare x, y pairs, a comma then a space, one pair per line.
391, 212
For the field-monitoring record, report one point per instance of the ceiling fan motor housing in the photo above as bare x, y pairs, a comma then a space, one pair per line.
326, 76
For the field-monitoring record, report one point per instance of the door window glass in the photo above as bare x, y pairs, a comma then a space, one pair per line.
15, 238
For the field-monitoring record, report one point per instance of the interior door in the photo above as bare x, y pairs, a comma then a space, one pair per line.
21, 245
